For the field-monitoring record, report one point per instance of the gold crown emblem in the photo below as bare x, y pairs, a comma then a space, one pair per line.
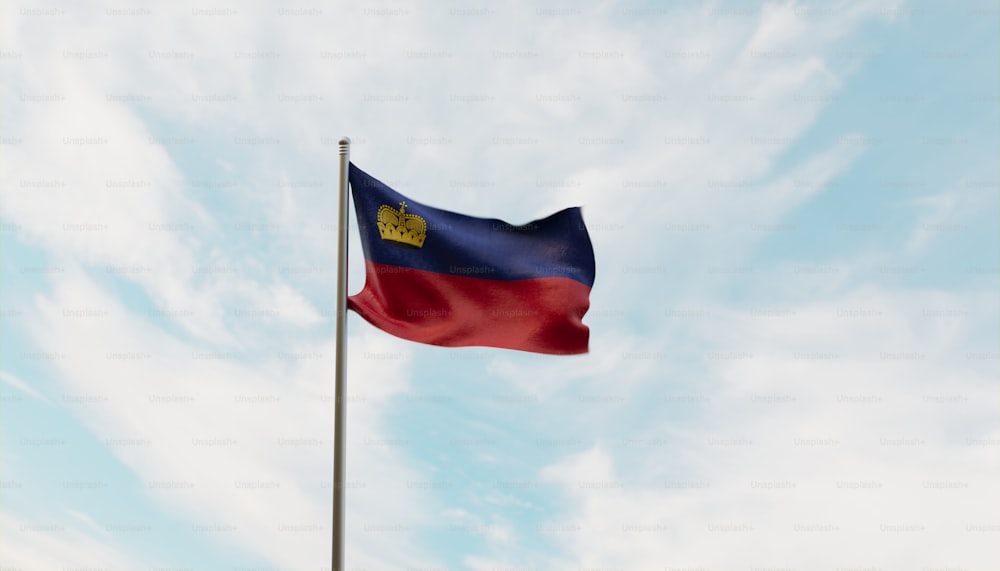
400, 227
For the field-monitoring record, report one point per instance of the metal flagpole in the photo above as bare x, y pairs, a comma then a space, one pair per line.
341, 374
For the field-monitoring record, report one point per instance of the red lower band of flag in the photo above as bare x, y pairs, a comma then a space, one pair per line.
541, 315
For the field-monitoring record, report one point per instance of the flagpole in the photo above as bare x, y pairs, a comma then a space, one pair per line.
341, 361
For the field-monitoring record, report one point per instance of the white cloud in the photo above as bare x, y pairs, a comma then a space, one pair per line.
26, 544
861, 418
19, 384
237, 440
681, 120
945, 213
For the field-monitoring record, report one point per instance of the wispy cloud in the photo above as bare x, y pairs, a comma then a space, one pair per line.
817, 413
178, 169
244, 443
22, 386
32, 545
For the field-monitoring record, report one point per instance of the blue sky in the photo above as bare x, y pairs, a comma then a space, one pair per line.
793, 327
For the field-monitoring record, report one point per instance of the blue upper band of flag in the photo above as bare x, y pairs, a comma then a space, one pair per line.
556, 246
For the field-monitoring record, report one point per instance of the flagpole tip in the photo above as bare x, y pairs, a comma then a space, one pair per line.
345, 140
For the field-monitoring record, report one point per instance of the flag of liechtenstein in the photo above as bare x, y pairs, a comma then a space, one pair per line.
448, 279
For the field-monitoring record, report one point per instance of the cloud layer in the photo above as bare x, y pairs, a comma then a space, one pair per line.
755, 398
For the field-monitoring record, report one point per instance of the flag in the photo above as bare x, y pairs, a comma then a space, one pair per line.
447, 279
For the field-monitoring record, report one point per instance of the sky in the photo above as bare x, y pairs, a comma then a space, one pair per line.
794, 325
